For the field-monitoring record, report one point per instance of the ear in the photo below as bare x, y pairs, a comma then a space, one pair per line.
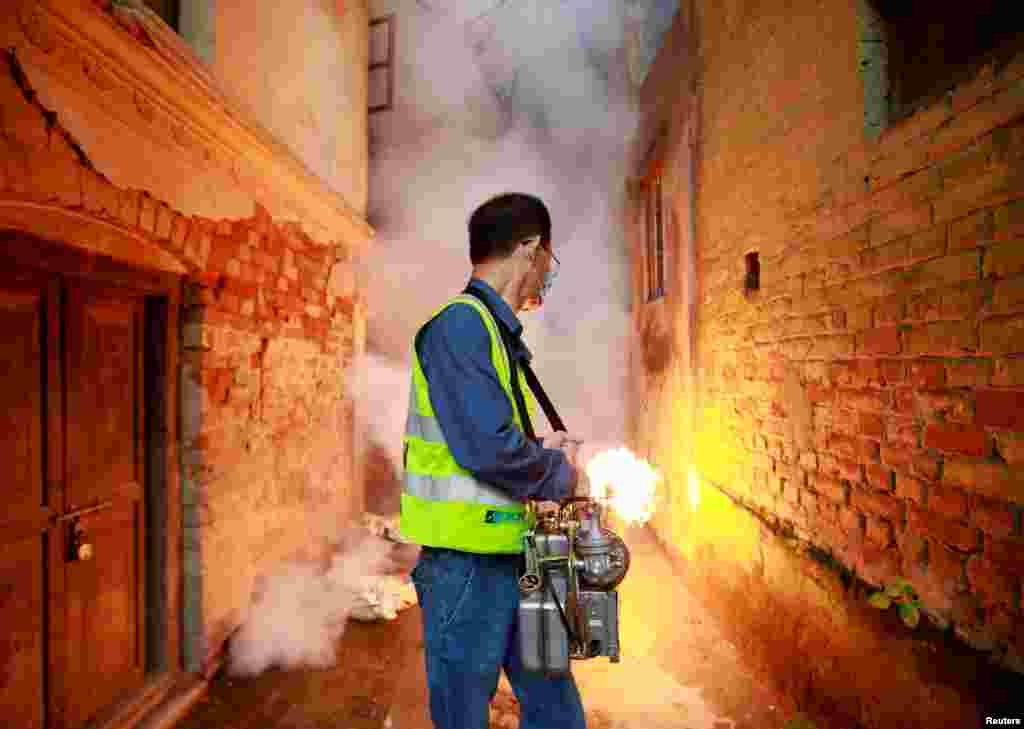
531, 244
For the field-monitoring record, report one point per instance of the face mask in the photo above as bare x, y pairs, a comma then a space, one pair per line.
550, 275
549, 281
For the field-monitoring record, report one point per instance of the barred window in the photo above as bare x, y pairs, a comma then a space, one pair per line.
382, 63
655, 239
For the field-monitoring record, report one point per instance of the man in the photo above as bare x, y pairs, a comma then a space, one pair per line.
469, 469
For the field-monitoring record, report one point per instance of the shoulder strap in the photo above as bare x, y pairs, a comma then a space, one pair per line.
531, 378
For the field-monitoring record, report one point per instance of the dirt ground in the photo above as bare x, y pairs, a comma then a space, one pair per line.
676, 672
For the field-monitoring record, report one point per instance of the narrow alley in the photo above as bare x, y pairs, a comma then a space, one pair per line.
677, 672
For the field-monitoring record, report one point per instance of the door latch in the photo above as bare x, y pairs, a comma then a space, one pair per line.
80, 549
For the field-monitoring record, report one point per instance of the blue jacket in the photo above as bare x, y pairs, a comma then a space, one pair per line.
473, 411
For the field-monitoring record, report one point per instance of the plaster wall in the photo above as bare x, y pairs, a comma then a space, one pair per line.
302, 69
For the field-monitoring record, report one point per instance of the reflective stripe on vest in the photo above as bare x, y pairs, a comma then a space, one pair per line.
443, 504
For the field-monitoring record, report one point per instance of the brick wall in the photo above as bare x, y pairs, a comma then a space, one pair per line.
271, 321
268, 334
869, 399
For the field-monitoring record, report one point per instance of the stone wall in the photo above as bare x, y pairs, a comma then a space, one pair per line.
864, 407
273, 314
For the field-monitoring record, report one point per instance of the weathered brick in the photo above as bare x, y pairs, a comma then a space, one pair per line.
926, 466
903, 401
871, 425
928, 374
1000, 409
968, 164
869, 400
1000, 184
941, 272
1004, 259
944, 578
1008, 220
850, 521
943, 338
1007, 296
877, 503
898, 224
979, 114
879, 531
808, 461
981, 86
896, 457
976, 229
891, 372
891, 310
843, 446
948, 531
990, 582
1006, 553
879, 477
957, 438
995, 518
1010, 446
909, 488
902, 432
993, 480
832, 489
879, 341
963, 301
949, 404
969, 372
947, 501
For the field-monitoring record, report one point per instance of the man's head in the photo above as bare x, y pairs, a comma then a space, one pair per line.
510, 247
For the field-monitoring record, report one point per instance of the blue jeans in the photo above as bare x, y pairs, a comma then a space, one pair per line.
469, 604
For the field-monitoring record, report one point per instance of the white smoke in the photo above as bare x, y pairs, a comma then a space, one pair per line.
300, 611
493, 96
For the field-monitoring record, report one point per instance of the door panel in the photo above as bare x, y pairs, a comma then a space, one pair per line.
21, 640
104, 378
21, 399
104, 594
104, 647
23, 518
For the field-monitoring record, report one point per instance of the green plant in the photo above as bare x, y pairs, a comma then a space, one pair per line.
799, 722
900, 593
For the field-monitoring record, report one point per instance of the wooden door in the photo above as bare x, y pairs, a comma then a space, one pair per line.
103, 500
28, 305
72, 543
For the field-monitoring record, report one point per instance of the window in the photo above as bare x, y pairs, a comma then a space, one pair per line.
169, 10
922, 49
382, 63
654, 233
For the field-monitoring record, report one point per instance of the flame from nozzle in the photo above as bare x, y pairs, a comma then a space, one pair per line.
626, 481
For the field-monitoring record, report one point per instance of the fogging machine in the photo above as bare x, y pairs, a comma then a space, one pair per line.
568, 606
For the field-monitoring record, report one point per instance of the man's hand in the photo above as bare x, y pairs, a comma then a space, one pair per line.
568, 444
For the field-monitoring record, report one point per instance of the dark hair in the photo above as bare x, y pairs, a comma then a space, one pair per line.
498, 226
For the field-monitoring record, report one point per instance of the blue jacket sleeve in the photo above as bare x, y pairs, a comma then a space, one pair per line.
476, 416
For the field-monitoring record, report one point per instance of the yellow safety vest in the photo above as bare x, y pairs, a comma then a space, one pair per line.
443, 504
